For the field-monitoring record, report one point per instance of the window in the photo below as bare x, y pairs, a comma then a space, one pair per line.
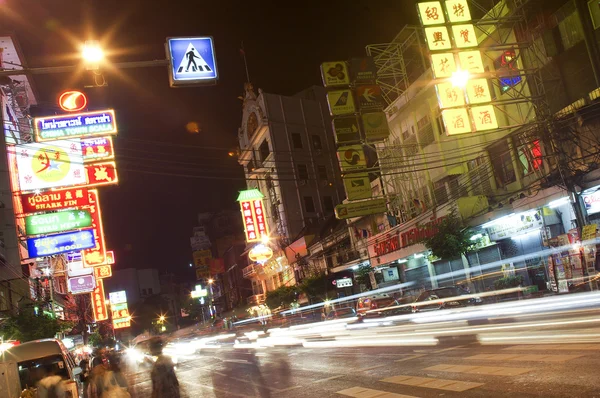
263, 150
309, 204
302, 172
322, 171
328, 204
297, 141
143, 292
316, 140
150, 290
439, 192
504, 171
530, 157
280, 277
425, 131
569, 25
440, 123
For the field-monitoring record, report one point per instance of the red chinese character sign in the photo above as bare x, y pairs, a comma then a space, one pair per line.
97, 255
97, 148
99, 302
103, 173
103, 271
54, 200
253, 215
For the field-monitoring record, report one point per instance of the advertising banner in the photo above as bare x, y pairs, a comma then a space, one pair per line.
75, 125
97, 254
57, 222
103, 173
335, 74
99, 303
50, 165
99, 148
55, 200
60, 243
341, 102
81, 284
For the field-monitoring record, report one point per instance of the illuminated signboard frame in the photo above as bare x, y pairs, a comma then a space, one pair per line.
51, 128
55, 200
60, 243
46, 165
96, 255
94, 149
99, 302
60, 221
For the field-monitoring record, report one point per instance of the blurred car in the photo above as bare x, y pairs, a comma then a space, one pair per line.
441, 298
341, 313
142, 355
367, 305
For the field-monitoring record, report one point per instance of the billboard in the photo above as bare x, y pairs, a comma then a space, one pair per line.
81, 284
55, 200
95, 255
192, 61
99, 303
57, 222
60, 243
97, 148
50, 165
75, 125
102, 173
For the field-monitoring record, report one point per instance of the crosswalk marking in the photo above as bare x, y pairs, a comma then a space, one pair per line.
547, 347
360, 392
525, 358
429, 382
483, 370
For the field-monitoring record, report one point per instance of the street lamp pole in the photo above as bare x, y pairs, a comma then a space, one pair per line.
73, 68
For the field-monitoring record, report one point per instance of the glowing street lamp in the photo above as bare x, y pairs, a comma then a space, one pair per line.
460, 78
162, 318
92, 54
211, 281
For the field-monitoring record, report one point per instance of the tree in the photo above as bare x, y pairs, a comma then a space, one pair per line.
452, 239
27, 326
315, 286
282, 296
362, 275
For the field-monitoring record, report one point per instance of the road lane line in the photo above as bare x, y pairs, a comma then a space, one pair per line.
329, 379
360, 392
524, 358
430, 382
412, 357
448, 349
372, 367
483, 370
549, 347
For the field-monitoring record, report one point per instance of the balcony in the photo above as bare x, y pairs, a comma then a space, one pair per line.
256, 299
250, 271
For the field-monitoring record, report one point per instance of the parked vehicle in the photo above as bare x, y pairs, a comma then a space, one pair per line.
36, 360
441, 298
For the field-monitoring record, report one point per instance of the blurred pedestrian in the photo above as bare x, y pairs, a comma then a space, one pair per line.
164, 379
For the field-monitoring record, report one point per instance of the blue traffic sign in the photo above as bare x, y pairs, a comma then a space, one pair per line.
61, 243
192, 61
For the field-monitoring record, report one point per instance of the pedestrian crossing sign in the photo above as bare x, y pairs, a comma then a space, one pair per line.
192, 61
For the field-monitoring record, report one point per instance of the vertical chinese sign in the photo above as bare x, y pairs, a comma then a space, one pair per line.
99, 302
464, 97
97, 255
253, 215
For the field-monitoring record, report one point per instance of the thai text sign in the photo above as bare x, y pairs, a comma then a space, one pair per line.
97, 148
74, 197
50, 165
359, 209
103, 173
121, 323
103, 271
60, 243
57, 222
99, 303
95, 255
75, 125
392, 243
515, 224
255, 223
81, 284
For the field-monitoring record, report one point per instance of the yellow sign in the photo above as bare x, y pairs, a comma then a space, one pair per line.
335, 74
358, 186
359, 209
478, 91
588, 232
352, 157
202, 257
443, 65
471, 61
458, 11
464, 36
456, 121
484, 118
438, 38
431, 13
449, 95
341, 102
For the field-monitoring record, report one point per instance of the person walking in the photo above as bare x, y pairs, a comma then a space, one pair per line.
164, 379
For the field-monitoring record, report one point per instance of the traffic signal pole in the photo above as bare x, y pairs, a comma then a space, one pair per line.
73, 68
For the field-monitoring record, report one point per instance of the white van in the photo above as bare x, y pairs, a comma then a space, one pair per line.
41, 358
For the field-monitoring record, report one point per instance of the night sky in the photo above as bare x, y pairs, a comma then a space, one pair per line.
149, 216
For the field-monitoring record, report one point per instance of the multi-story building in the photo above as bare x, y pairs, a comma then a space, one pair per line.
137, 283
525, 186
16, 97
288, 154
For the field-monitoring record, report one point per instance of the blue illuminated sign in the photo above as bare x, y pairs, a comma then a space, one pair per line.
192, 61
61, 243
87, 124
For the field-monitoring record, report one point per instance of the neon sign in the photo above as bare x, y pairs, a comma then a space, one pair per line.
72, 101
75, 125
60, 243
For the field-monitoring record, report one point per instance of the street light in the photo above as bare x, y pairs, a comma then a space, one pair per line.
162, 318
460, 78
211, 281
92, 54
